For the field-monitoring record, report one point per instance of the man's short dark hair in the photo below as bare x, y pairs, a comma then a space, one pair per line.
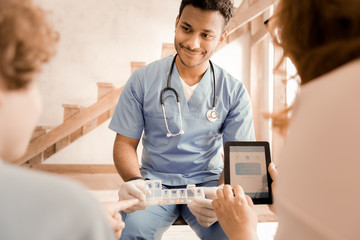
225, 7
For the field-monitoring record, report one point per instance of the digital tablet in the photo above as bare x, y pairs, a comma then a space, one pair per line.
246, 164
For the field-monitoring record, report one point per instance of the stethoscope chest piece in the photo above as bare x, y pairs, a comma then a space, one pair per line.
211, 115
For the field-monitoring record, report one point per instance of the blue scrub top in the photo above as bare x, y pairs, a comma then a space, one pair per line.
193, 157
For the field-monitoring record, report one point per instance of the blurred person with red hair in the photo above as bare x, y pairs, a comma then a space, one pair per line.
316, 194
34, 205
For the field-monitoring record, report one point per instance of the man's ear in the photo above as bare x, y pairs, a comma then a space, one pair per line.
177, 21
222, 38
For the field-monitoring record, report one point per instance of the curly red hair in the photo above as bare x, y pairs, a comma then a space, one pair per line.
318, 36
26, 42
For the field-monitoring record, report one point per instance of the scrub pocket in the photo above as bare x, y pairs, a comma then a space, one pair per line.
155, 129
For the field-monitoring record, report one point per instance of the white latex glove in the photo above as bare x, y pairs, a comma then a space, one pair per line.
135, 189
202, 207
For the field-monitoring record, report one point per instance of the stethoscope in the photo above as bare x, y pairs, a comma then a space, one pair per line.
211, 115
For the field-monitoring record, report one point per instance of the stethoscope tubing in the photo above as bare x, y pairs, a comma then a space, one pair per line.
213, 72
168, 89
209, 114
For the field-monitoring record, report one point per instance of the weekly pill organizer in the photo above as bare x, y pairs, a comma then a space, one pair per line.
159, 196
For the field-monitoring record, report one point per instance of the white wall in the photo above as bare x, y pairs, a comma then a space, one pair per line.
235, 58
98, 40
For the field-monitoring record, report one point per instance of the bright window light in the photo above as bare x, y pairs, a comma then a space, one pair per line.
292, 84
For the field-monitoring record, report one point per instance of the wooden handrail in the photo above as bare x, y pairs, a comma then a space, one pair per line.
75, 122
243, 17
258, 36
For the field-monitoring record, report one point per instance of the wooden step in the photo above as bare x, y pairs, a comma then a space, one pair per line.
167, 50
40, 130
104, 88
69, 111
136, 65
106, 115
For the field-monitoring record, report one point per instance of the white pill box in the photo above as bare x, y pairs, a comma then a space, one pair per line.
159, 196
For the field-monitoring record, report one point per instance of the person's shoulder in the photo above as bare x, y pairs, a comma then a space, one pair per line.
151, 73
155, 66
45, 187
223, 76
57, 204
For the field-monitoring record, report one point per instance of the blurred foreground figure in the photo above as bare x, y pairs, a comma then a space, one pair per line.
316, 192
34, 205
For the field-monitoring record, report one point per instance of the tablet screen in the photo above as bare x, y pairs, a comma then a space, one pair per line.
247, 164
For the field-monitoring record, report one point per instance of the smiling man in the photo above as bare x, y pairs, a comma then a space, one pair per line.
186, 108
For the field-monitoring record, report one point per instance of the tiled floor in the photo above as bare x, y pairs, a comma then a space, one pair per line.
266, 231
179, 232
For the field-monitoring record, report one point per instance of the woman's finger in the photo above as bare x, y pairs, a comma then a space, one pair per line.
228, 192
239, 192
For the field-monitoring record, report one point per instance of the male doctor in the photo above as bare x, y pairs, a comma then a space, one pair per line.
182, 140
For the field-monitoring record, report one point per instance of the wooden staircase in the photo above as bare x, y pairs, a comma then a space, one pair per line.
78, 121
